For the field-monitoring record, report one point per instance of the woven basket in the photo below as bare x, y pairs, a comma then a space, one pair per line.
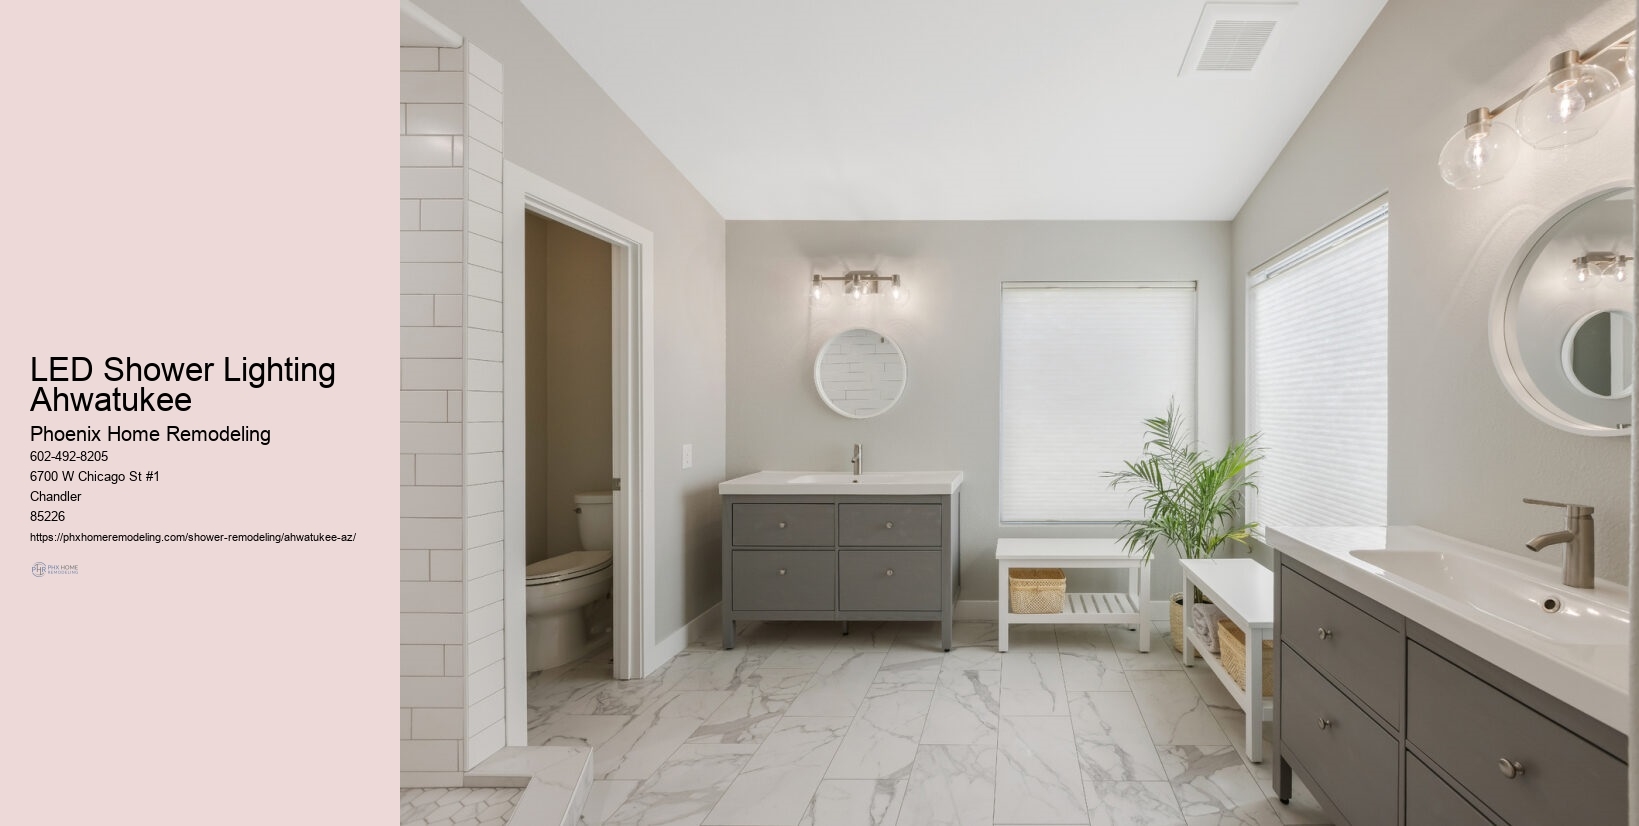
1176, 617
1035, 590
1232, 642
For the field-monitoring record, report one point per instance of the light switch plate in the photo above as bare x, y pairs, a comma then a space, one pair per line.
688, 456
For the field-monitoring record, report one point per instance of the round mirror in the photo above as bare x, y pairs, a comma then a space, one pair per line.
860, 373
1599, 354
1563, 330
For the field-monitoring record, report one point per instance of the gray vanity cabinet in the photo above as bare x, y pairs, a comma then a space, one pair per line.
1388, 723
839, 558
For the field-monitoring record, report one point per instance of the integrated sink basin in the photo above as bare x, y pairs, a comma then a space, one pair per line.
1521, 599
889, 483
1508, 609
876, 478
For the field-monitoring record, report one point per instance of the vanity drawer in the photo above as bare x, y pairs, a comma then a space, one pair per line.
888, 580
1466, 727
785, 581
887, 525
1430, 802
1351, 646
806, 525
1351, 757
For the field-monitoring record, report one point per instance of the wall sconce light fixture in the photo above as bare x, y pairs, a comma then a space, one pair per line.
856, 285
1560, 109
1589, 268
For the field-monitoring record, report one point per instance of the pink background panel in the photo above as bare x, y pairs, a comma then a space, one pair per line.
189, 181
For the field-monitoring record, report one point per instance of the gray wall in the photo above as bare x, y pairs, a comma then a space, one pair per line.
560, 125
569, 391
1462, 453
949, 331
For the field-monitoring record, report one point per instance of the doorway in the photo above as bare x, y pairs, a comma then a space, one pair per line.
631, 461
569, 403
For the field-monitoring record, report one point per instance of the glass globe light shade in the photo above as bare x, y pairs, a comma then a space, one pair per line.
1580, 275
898, 292
1479, 153
818, 293
1608, 265
1632, 55
1561, 108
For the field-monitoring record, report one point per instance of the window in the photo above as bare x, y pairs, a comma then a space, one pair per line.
1083, 365
1318, 388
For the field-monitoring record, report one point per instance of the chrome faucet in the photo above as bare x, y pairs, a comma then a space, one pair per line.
859, 459
1577, 538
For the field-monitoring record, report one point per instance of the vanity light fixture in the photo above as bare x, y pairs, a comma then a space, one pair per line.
1588, 268
1560, 109
1481, 152
856, 285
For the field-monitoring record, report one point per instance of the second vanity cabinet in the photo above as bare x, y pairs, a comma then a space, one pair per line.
1388, 723
792, 557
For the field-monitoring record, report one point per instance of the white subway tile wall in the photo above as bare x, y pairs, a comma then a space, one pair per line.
483, 664
451, 692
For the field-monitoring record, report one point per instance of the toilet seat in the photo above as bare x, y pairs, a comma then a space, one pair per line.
567, 566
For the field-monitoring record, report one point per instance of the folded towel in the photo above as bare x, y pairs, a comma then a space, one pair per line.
1205, 618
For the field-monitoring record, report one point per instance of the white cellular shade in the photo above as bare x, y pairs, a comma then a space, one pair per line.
1319, 381
1083, 365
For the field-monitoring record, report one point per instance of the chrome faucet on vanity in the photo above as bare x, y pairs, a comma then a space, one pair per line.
859, 459
1577, 538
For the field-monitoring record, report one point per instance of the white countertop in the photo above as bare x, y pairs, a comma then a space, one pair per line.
842, 483
1590, 677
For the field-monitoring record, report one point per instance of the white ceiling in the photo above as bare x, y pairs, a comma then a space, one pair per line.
953, 109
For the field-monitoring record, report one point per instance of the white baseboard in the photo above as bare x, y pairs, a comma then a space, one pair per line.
975, 610
710, 620
980, 610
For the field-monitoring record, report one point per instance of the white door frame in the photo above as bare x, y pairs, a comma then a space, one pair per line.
633, 410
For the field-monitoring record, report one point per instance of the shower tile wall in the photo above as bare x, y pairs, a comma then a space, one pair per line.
451, 695
481, 409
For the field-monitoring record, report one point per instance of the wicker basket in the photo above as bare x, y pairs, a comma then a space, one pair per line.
1176, 618
1232, 642
1035, 590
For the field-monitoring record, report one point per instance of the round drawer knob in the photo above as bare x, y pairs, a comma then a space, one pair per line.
1323, 633
890, 572
782, 572
1509, 768
782, 525
890, 526
1325, 723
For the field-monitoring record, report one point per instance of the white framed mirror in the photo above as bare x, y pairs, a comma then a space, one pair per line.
860, 373
1562, 327
1598, 354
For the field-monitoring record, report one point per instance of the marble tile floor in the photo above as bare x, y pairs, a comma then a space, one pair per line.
802, 726
456, 807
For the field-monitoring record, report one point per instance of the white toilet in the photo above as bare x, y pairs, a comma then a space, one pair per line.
561, 591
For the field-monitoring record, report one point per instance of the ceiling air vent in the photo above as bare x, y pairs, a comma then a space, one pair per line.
1230, 37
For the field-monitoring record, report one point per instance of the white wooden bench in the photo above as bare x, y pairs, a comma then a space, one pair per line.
1245, 591
1119, 608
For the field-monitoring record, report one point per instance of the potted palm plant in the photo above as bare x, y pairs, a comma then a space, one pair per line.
1192, 500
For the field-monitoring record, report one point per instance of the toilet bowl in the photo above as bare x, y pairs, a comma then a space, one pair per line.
566, 595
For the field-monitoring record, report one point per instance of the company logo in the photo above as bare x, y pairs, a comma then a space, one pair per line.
51, 569
39, 569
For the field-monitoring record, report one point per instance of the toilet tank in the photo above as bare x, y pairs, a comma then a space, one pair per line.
596, 514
